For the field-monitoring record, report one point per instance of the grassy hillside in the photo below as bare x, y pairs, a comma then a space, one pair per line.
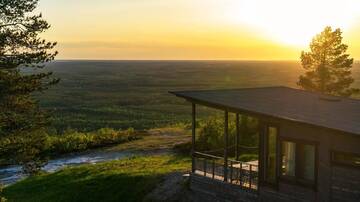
120, 94
129, 179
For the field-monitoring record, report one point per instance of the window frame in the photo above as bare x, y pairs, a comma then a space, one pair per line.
296, 180
339, 163
263, 152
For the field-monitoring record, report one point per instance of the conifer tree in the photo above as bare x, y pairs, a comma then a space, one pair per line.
327, 65
23, 54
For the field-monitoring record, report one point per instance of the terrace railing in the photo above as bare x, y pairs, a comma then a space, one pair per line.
243, 174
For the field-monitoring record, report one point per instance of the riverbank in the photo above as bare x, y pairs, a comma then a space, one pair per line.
69, 142
131, 179
152, 142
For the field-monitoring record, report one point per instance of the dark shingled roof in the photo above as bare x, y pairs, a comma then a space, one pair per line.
332, 112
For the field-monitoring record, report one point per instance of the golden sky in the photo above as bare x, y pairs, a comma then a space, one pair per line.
196, 29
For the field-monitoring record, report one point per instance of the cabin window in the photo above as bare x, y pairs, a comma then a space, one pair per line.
271, 155
288, 158
306, 154
343, 158
298, 162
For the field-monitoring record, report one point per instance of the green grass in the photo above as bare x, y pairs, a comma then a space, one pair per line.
123, 180
156, 139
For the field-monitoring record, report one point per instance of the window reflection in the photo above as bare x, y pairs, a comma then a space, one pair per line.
344, 158
288, 158
298, 161
307, 159
271, 154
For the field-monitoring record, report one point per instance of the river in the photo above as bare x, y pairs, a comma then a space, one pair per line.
12, 174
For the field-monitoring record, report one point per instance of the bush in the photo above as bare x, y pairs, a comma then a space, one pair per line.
25, 148
183, 148
2, 199
33, 149
70, 142
73, 141
248, 157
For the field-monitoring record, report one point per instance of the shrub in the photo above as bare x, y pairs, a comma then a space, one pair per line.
2, 199
28, 150
70, 142
248, 157
183, 148
73, 141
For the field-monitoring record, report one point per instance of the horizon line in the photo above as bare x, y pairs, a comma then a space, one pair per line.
174, 59
189, 60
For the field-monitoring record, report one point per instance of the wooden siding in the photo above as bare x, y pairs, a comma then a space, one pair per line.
345, 184
326, 141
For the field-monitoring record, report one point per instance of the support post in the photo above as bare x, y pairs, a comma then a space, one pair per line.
226, 130
193, 136
213, 169
250, 176
237, 137
261, 169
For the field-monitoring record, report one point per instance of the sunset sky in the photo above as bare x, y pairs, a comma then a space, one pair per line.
195, 29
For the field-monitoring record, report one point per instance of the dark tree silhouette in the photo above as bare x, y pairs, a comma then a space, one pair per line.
22, 57
327, 65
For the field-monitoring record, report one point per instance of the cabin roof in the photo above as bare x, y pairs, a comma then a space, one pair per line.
338, 113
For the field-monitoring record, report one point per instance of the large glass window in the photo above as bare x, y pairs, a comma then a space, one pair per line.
288, 158
271, 155
344, 158
307, 160
298, 161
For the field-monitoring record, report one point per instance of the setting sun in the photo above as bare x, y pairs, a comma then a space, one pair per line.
294, 22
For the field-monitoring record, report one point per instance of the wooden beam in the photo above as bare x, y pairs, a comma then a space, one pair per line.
193, 132
226, 131
237, 137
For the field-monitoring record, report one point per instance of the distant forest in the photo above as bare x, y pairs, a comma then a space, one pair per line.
123, 94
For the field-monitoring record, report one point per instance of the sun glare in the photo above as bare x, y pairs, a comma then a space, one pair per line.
293, 22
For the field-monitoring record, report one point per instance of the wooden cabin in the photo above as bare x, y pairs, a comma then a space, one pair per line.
309, 147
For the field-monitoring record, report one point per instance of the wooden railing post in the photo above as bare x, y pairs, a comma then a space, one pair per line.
231, 171
250, 176
237, 137
241, 175
193, 114
204, 166
238, 174
226, 126
246, 176
213, 169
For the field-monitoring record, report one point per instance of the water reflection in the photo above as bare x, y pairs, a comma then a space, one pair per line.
12, 174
